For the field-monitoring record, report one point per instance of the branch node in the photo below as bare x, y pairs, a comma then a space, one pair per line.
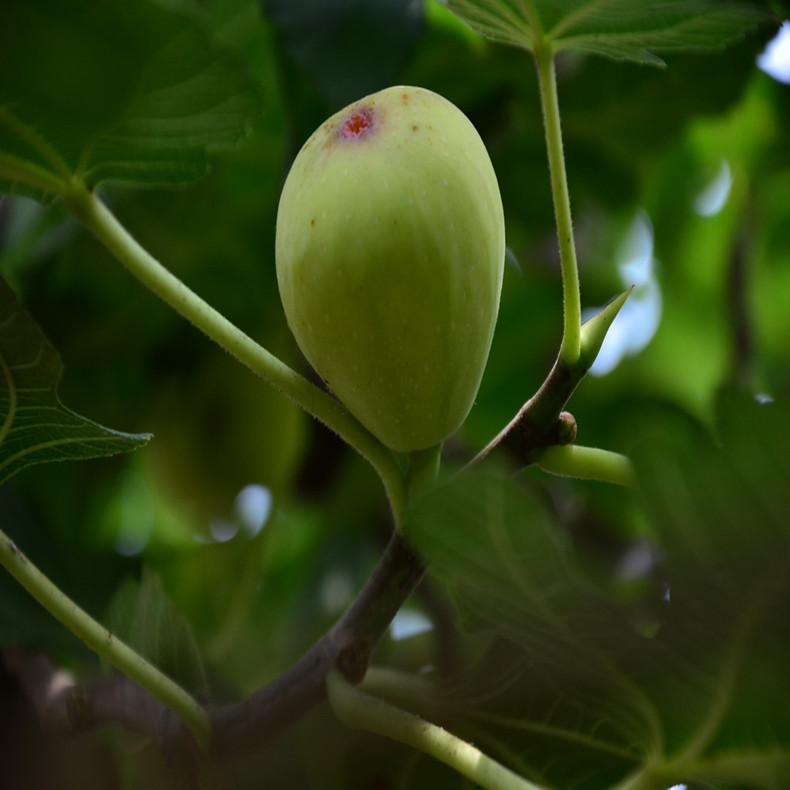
352, 661
566, 428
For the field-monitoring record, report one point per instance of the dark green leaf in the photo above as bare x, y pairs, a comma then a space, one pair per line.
709, 680
348, 49
504, 21
636, 31
632, 30
511, 570
90, 578
141, 614
134, 92
36, 426
724, 522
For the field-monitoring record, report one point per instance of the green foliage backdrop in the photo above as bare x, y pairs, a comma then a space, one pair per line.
578, 630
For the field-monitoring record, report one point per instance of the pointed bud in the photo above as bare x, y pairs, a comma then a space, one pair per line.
594, 329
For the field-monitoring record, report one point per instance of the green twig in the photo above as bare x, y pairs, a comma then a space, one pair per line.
360, 710
95, 215
547, 78
589, 463
102, 642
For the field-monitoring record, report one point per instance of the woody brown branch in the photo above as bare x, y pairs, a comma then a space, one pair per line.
66, 706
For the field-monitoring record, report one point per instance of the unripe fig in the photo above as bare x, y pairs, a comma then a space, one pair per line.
390, 253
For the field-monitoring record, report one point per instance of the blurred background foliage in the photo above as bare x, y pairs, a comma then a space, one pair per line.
257, 525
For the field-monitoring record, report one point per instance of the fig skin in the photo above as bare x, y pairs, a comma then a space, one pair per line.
390, 250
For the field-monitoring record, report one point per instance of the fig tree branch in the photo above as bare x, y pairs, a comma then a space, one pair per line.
348, 647
67, 706
104, 643
540, 422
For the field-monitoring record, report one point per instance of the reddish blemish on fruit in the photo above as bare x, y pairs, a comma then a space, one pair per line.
357, 124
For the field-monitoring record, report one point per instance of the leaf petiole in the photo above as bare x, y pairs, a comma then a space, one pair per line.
360, 710
570, 349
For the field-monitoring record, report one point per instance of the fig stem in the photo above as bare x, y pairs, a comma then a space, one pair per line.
98, 218
101, 641
360, 710
588, 463
570, 348
423, 469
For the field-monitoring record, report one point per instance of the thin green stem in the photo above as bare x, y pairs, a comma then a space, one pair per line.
420, 694
589, 463
101, 641
547, 78
423, 469
753, 768
95, 215
357, 709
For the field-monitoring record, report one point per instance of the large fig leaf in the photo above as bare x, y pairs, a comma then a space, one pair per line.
36, 426
512, 573
633, 30
135, 91
577, 686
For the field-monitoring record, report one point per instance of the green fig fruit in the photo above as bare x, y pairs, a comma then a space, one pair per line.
390, 253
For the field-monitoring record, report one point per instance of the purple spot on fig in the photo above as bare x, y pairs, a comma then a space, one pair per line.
357, 124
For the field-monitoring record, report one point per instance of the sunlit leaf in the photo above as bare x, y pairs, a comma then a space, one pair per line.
633, 30
36, 426
137, 92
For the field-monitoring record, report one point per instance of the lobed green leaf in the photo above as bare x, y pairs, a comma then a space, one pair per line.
701, 692
512, 572
503, 21
136, 92
632, 30
36, 427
